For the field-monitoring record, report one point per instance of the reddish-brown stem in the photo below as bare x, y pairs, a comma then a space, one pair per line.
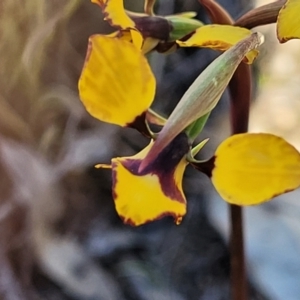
216, 12
240, 90
262, 15
239, 288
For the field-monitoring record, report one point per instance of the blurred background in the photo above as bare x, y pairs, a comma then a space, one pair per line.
60, 237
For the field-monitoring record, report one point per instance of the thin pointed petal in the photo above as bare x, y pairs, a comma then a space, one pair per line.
203, 95
288, 22
116, 84
219, 37
198, 147
155, 118
253, 168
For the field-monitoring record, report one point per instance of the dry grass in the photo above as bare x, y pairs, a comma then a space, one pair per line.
41, 141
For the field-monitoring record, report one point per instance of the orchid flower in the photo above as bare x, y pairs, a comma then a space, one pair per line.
117, 86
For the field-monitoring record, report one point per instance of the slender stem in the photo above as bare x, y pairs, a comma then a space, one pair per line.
262, 15
240, 90
239, 288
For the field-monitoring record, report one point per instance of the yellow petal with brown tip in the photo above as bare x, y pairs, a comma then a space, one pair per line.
253, 168
288, 22
116, 84
142, 198
218, 37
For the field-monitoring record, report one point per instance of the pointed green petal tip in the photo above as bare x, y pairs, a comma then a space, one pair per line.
182, 26
197, 148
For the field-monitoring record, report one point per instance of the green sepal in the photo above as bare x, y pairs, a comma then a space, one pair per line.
194, 151
194, 129
182, 26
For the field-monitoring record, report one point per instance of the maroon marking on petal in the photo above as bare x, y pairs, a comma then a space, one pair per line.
186, 37
171, 155
205, 167
163, 47
163, 215
170, 188
132, 165
127, 221
164, 166
139, 123
106, 16
153, 26
114, 180
284, 192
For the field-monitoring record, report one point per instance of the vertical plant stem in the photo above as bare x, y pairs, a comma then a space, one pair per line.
240, 90
238, 278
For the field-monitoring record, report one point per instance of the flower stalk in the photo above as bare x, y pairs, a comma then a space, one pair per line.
262, 15
240, 88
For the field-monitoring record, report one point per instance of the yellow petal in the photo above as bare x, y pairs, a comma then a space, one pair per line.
116, 84
144, 198
219, 37
137, 38
115, 13
129, 35
288, 22
149, 44
253, 168
195, 150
